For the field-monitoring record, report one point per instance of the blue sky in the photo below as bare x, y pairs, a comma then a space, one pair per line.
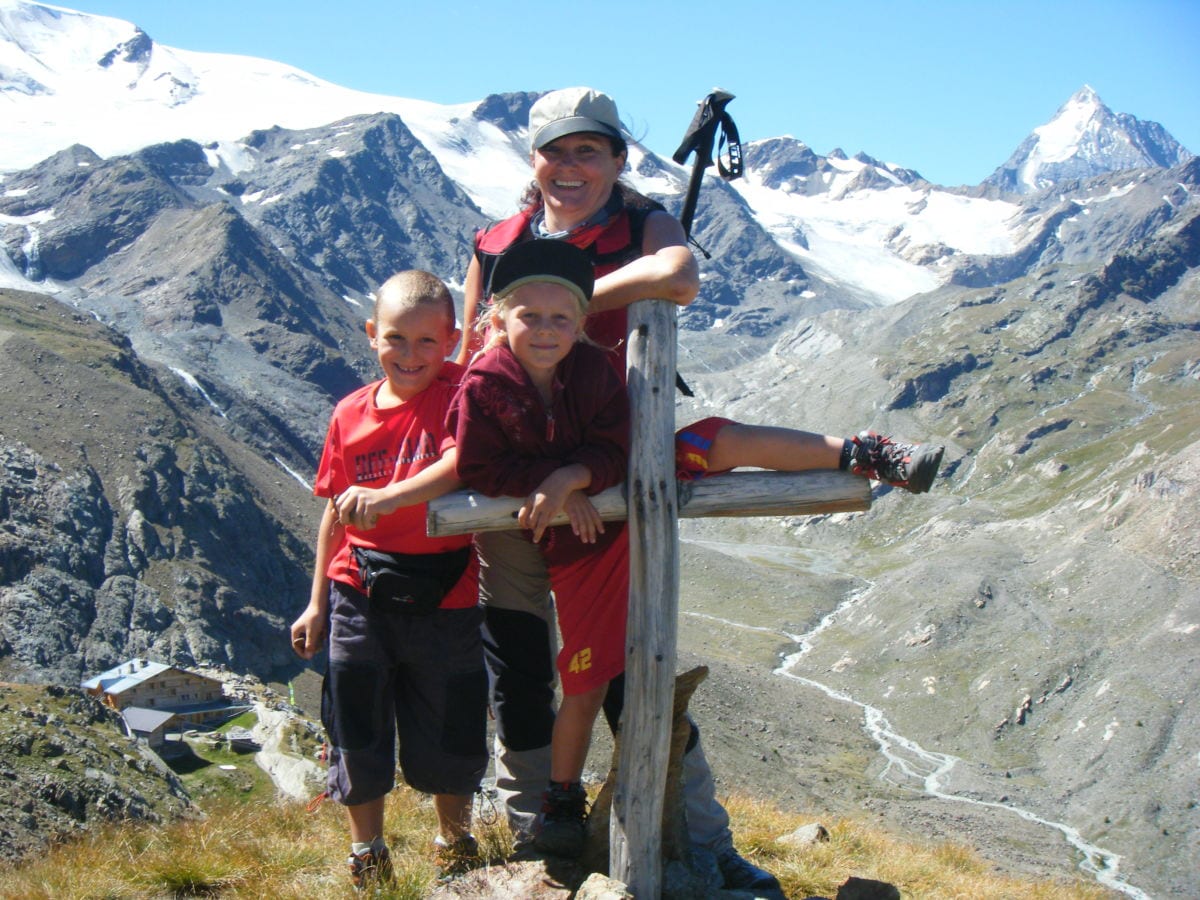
946, 88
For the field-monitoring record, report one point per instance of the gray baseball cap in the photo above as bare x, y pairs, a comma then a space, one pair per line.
573, 110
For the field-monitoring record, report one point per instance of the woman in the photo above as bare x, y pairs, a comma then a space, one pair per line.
638, 251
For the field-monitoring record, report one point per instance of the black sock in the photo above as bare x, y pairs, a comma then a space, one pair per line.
847, 457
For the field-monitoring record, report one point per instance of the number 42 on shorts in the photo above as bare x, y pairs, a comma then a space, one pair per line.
581, 661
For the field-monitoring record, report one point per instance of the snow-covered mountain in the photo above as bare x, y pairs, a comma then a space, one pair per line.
74, 78
861, 231
1086, 138
882, 232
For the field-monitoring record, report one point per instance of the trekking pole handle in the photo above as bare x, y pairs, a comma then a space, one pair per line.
700, 137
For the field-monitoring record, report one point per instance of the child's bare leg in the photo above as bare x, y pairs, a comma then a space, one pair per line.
766, 447
370, 862
573, 733
366, 821
454, 816
455, 846
564, 805
910, 466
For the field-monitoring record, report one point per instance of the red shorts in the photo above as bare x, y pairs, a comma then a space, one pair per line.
591, 596
692, 444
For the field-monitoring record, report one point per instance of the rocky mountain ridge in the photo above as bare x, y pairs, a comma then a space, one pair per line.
131, 525
68, 766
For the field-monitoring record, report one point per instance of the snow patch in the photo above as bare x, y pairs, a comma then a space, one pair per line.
857, 238
304, 483
190, 380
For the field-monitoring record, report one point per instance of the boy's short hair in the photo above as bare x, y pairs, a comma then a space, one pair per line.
412, 288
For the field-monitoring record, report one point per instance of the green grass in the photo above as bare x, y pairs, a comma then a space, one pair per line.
300, 741
205, 780
45, 324
246, 720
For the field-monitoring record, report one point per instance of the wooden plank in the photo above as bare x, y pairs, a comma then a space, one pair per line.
740, 493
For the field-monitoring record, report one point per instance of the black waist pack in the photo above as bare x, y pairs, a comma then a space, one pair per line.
414, 583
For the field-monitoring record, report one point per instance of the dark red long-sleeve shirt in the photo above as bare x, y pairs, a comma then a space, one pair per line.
509, 440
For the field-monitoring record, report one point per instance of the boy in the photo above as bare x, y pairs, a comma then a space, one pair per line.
399, 608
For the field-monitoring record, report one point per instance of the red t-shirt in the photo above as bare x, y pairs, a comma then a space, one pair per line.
373, 447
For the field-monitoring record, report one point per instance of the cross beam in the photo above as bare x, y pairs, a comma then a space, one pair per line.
734, 494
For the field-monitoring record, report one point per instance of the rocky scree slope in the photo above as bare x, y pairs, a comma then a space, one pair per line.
67, 765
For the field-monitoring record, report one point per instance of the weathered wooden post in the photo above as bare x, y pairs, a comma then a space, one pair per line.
635, 837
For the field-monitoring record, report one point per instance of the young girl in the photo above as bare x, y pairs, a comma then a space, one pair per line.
542, 414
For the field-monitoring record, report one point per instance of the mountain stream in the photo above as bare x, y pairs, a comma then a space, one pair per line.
907, 764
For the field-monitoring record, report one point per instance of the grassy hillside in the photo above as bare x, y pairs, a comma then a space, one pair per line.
271, 849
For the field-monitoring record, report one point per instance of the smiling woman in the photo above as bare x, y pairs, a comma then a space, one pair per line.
575, 174
578, 151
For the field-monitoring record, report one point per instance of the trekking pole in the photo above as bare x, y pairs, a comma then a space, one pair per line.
700, 137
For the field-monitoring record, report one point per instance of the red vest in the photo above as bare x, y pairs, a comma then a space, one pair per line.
611, 244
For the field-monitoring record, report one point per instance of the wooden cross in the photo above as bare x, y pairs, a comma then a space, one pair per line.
652, 502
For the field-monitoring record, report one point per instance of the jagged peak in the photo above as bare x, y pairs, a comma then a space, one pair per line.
1085, 138
135, 50
509, 111
1083, 106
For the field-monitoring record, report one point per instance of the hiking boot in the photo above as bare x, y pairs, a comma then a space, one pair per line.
455, 858
909, 466
370, 868
742, 875
564, 821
